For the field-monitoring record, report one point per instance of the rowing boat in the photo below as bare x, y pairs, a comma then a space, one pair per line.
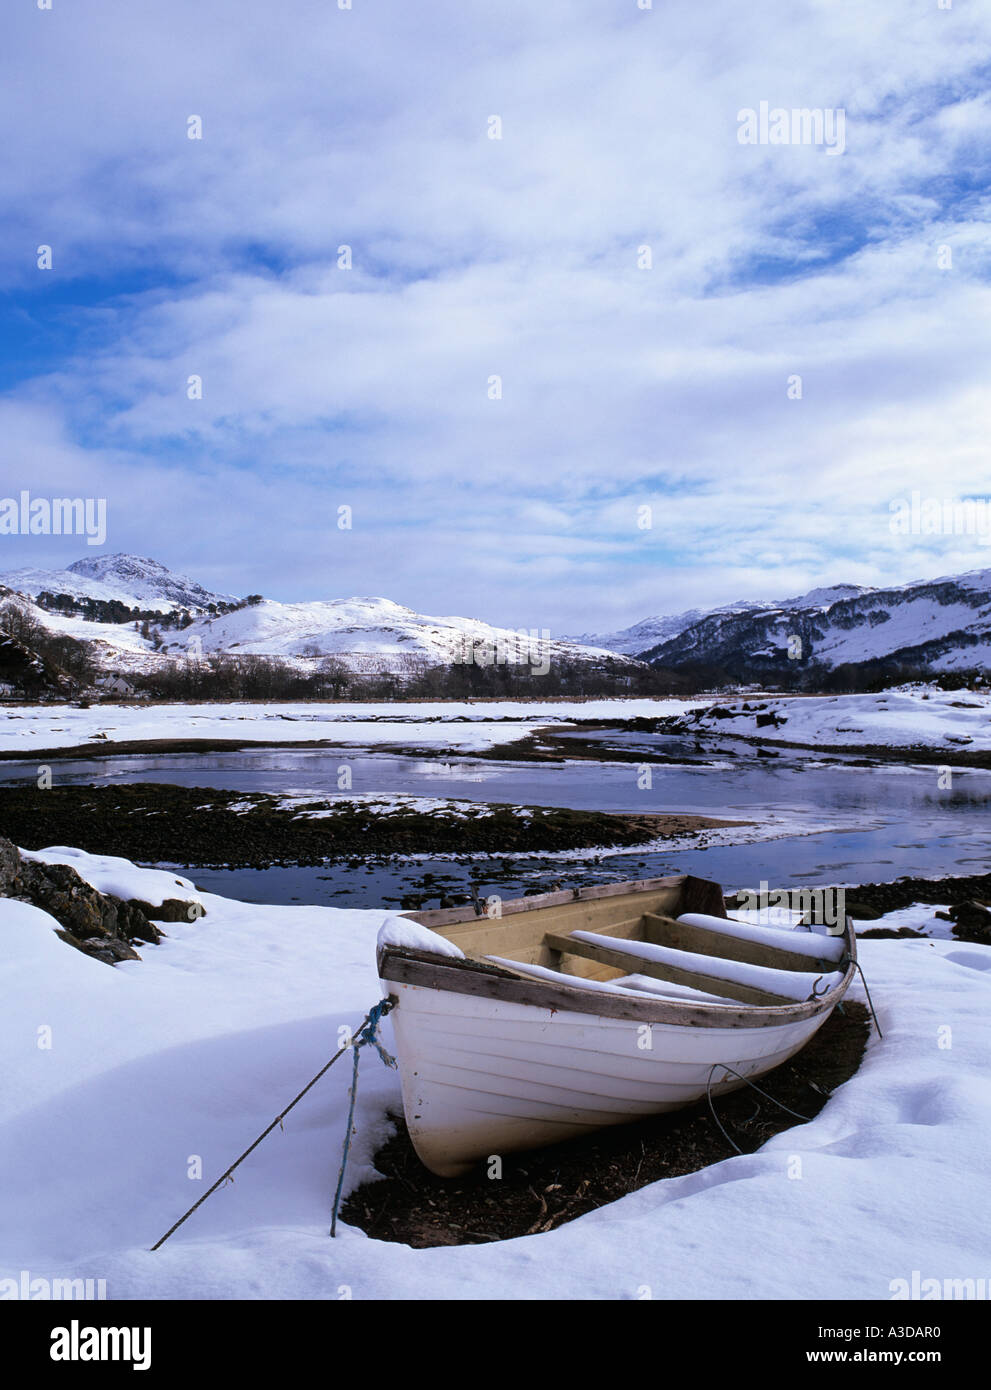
575, 1010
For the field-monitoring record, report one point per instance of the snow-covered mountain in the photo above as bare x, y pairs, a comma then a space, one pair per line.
362, 629
939, 624
651, 632
366, 634
130, 579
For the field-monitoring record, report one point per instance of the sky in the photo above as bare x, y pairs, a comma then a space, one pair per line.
614, 362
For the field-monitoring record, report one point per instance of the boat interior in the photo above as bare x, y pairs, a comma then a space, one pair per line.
611, 942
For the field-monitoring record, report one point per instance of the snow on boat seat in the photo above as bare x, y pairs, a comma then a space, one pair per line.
667, 989
629, 984
740, 980
803, 943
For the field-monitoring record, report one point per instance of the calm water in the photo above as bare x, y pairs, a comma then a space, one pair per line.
876, 822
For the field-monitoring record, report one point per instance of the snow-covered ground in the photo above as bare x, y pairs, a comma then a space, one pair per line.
307, 806
907, 717
118, 1082
464, 727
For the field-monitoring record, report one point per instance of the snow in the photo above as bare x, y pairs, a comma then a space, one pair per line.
868, 624
790, 984
906, 717
108, 874
625, 984
804, 943
130, 579
462, 726
902, 718
309, 805
400, 931
365, 633
193, 1050
650, 632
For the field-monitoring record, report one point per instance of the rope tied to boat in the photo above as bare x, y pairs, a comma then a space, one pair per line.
371, 1020
849, 960
366, 1034
766, 1094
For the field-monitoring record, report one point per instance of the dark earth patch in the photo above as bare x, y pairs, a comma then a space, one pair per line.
155, 822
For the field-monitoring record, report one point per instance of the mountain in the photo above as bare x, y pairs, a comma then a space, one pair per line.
365, 631
939, 624
366, 634
129, 579
652, 632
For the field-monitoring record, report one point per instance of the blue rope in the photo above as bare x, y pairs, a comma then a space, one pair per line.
360, 1040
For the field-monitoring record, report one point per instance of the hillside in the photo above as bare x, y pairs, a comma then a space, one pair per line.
364, 634
940, 625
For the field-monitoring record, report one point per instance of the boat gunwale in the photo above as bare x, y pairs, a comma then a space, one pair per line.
446, 974
458, 916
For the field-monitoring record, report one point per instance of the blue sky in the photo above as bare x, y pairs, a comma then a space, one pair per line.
622, 387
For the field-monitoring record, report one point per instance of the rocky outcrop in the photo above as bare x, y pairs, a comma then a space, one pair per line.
101, 925
971, 921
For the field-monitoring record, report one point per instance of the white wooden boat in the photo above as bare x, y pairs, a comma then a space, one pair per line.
577, 1010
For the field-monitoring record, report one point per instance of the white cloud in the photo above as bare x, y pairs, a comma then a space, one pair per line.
516, 258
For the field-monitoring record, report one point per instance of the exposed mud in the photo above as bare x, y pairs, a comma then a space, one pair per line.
154, 822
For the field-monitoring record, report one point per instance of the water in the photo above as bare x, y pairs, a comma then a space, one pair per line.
877, 820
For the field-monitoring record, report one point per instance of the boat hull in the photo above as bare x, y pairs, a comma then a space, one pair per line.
483, 1077
527, 1035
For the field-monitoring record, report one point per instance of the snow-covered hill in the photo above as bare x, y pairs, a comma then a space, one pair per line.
937, 625
941, 625
357, 628
651, 632
366, 634
130, 579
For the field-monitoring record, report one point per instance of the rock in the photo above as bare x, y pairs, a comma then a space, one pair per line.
890, 933
58, 890
109, 951
133, 923
972, 922
860, 912
98, 923
171, 910
10, 867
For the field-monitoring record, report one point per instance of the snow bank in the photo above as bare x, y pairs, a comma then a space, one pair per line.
912, 717
193, 1050
108, 874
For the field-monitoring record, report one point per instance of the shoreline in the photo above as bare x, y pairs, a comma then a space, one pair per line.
542, 744
208, 827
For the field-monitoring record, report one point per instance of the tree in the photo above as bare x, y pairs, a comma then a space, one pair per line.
335, 674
